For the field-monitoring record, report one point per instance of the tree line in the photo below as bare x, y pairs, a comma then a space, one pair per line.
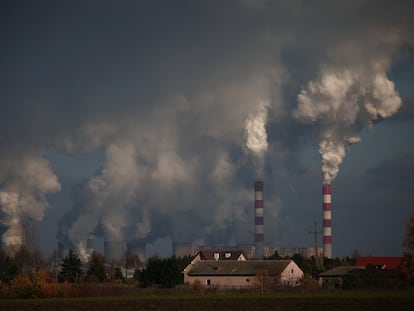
27, 274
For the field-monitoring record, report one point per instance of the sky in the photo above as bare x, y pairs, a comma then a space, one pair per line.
149, 121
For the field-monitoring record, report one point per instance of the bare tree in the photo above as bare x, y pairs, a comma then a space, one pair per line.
264, 280
53, 264
408, 243
407, 264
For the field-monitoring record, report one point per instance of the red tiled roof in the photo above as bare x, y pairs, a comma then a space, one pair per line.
384, 262
223, 255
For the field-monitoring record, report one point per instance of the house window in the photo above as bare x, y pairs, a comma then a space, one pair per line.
208, 282
291, 271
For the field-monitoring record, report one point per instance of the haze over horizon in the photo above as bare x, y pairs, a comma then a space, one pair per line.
150, 120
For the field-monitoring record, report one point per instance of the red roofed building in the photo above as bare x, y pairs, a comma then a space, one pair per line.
222, 255
389, 263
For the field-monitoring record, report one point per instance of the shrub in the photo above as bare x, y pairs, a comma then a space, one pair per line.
309, 283
197, 287
22, 287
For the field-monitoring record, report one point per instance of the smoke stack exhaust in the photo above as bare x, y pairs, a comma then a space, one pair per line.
259, 223
327, 222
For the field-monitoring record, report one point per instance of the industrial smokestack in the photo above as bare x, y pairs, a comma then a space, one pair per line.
327, 223
259, 223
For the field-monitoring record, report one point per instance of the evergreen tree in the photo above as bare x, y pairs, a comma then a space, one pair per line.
305, 264
275, 256
71, 268
8, 269
96, 268
408, 243
165, 273
118, 274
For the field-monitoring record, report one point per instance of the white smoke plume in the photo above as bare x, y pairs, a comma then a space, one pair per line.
342, 101
256, 135
23, 195
103, 199
156, 171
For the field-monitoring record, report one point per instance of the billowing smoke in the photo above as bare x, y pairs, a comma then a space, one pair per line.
23, 196
256, 135
173, 95
147, 179
103, 201
158, 168
341, 102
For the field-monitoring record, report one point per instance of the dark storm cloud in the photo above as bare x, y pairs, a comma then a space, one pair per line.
163, 88
375, 207
406, 112
396, 174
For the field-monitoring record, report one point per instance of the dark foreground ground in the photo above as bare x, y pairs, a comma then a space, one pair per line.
398, 300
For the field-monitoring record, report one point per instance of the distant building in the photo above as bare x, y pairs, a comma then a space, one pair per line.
333, 278
389, 263
385, 270
181, 250
249, 250
303, 251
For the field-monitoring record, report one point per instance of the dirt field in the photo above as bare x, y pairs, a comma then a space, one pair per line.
314, 301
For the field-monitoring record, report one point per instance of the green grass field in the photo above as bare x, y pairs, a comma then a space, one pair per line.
363, 300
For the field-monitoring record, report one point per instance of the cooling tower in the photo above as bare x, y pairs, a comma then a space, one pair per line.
259, 222
182, 249
114, 251
327, 223
61, 250
90, 243
14, 238
137, 249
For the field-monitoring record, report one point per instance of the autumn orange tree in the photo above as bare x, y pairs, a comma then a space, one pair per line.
407, 264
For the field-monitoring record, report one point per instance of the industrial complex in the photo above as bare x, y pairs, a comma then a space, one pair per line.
115, 250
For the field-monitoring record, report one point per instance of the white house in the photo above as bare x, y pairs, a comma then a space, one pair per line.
243, 273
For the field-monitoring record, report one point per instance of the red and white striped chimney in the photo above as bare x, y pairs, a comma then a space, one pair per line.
259, 223
327, 222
